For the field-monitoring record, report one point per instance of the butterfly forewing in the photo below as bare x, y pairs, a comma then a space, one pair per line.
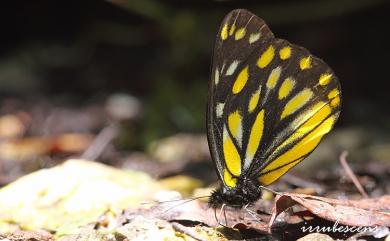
240, 33
270, 101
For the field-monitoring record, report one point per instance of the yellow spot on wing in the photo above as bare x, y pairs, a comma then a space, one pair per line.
232, 157
254, 101
274, 77
255, 137
299, 150
232, 28
229, 180
241, 80
234, 123
308, 114
311, 119
325, 79
316, 118
285, 53
298, 121
335, 102
334, 96
333, 93
305, 63
297, 102
287, 85
272, 176
224, 32
240, 33
266, 57
254, 37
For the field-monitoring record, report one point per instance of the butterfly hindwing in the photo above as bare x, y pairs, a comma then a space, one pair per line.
302, 107
270, 101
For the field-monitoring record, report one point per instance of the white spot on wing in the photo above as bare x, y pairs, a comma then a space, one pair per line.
271, 84
225, 133
219, 109
254, 37
216, 77
223, 67
232, 67
239, 135
247, 162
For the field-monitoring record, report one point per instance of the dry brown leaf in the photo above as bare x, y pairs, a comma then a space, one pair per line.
364, 212
38, 235
196, 211
316, 237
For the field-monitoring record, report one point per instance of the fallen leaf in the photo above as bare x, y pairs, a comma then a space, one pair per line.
39, 235
196, 211
63, 198
364, 212
316, 237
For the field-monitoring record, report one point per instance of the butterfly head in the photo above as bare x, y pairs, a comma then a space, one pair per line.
247, 191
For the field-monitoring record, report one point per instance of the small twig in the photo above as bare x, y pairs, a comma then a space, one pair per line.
351, 175
183, 229
100, 142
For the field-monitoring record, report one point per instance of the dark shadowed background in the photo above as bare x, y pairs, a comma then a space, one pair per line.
74, 53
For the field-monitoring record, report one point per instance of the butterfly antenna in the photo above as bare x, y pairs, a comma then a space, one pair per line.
160, 202
173, 200
184, 201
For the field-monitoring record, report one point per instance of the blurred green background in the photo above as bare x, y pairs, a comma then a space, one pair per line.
78, 52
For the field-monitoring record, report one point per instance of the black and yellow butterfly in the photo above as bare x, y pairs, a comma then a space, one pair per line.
270, 104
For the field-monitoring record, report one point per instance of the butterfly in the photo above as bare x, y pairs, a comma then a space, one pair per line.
270, 104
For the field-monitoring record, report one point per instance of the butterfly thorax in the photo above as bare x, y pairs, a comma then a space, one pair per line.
245, 192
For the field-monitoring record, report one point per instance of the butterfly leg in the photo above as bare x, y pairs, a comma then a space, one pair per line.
254, 214
220, 215
224, 214
270, 190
